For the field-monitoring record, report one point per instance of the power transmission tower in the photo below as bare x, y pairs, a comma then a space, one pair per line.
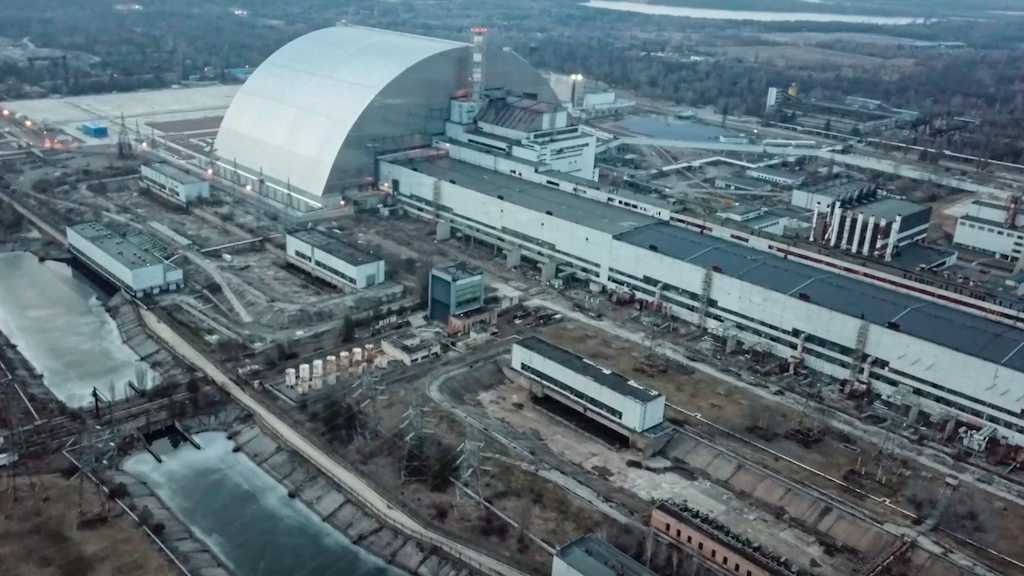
469, 464
415, 460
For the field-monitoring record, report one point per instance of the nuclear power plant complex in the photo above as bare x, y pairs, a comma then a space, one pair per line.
489, 320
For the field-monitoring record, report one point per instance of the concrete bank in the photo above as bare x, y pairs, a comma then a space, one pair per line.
311, 487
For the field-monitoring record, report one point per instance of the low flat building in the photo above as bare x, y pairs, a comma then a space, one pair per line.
776, 176
173, 183
742, 184
591, 555
479, 320
454, 289
409, 348
129, 261
601, 394
699, 533
876, 229
330, 258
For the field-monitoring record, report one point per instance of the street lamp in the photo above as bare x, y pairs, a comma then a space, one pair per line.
575, 78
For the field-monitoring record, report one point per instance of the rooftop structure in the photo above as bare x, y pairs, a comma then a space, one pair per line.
891, 208
824, 194
133, 262
987, 339
173, 183
530, 195
332, 259
719, 534
592, 556
351, 93
603, 376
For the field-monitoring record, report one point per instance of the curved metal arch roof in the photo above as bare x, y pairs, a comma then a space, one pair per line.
292, 116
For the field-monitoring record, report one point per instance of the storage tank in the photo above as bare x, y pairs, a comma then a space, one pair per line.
318, 374
289, 377
369, 350
344, 361
357, 355
330, 364
303, 375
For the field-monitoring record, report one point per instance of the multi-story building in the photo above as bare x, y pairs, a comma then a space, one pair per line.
454, 289
599, 393
776, 176
332, 259
914, 352
128, 261
988, 227
716, 543
173, 183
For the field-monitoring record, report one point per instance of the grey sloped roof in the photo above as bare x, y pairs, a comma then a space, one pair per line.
942, 325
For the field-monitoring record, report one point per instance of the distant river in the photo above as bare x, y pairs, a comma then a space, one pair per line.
246, 517
714, 14
57, 321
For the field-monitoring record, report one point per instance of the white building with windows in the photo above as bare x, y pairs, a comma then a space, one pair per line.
128, 261
174, 183
986, 228
915, 352
603, 395
332, 259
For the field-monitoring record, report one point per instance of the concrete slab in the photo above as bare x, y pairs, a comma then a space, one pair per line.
280, 465
362, 526
428, 567
328, 503
384, 542
410, 557
722, 468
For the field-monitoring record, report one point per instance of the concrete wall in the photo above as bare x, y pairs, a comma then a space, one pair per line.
184, 192
139, 281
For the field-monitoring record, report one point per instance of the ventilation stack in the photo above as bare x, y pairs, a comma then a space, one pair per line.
477, 78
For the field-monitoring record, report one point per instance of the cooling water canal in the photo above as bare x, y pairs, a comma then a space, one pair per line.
56, 319
245, 516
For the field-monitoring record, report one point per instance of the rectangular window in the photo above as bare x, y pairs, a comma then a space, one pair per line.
714, 552
725, 560
689, 539
700, 545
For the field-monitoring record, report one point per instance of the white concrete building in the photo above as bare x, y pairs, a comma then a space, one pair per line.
824, 195
128, 261
985, 228
603, 395
330, 258
917, 353
173, 183
591, 555
528, 129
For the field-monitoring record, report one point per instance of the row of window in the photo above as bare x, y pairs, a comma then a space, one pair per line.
571, 391
998, 231
845, 351
334, 271
700, 547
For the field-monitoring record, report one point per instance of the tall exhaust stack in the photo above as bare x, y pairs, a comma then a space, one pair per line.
479, 33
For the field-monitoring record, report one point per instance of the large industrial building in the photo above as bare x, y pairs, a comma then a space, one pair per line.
331, 259
311, 119
601, 394
128, 261
501, 163
913, 352
992, 228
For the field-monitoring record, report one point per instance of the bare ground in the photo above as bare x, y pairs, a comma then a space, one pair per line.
39, 535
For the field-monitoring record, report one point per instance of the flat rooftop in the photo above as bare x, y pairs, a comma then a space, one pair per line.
986, 339
889, 208
458, 270
838, 189
173, 172
334, 246
611, 380
535, 197
776, 172
915, 255
987, 222
129, 251
592, 556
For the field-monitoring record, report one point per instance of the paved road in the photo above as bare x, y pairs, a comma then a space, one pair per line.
354, 484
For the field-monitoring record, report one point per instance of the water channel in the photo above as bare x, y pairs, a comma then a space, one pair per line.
56, 319
763, 16
246, 517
